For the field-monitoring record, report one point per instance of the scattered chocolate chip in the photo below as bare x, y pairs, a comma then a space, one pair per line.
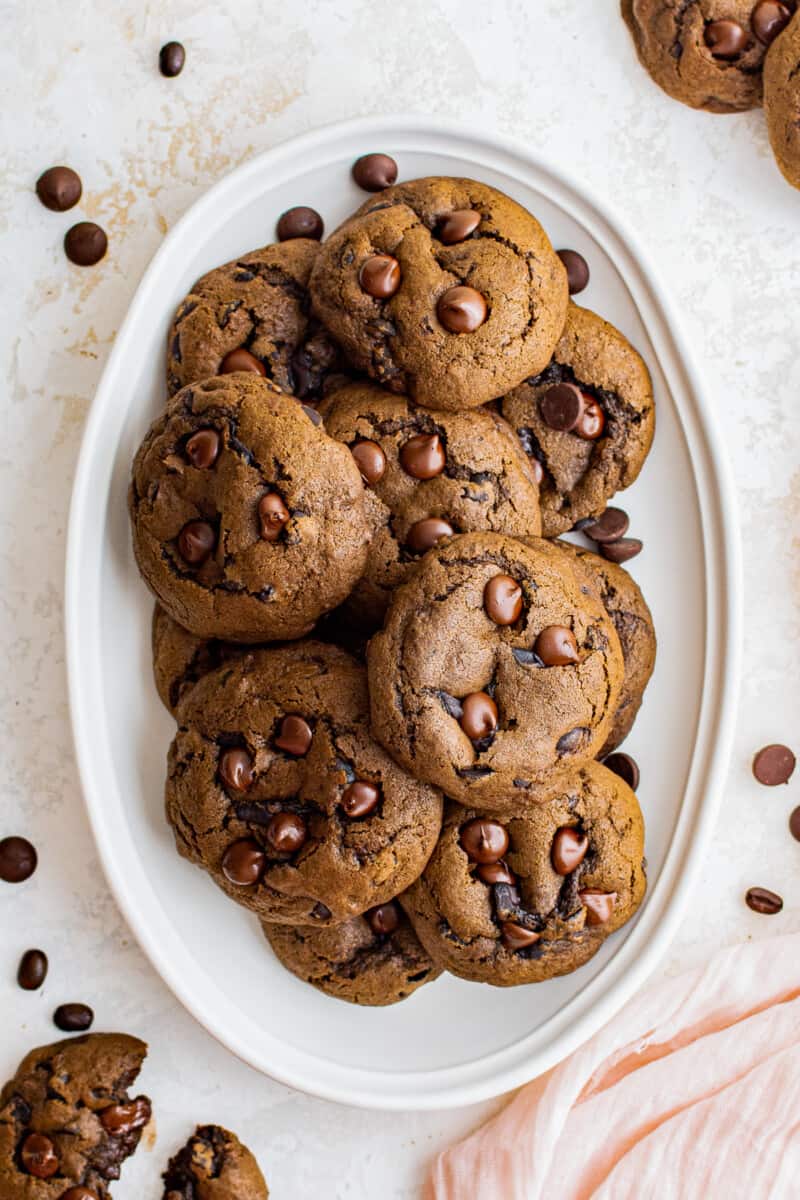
38, 1156
236, 769
556, 646
202, 448
360, 798
478, 715
18, 859
121, 1119
794, 824
426, 533
626, 767
241, 360
483, 840
384, 918
461, 310
300, 222
561, 406
569, 849
577, 270
517, 937
423, 456
502, 599
370, 460
726, 39
32, 970
380, 276
196, 542
374, 172
458, 225
497, 872
73, 1018
171, 59
294, 736
762, 900
769, 18
243, 862
272, 515
609, 527
774, 765
59, 188
592, 421
599, 905
621, 550
85, 244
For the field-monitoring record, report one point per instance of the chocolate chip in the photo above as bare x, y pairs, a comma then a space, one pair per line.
384, 918
599, 905
592, 421
374, 172
458, 225
243, 862
726, 39
202, 448
294, 736
32, 970
478, 715
556, 646
762, 900
85, 244
370, 460
236, 769
568, 850
526, 658
626, 767
300, 222
572, 740
84, 1193
380, 276
314, 417
609, 527
561, 406
38, 1156
773, 765
517, 937
272, 515
483, 840
496, 872
461, 310
426, 533
794, 824
423, 456
196, 542
537, 470
122, 1119
73, 1018
502, 600
171, 59
59, 188
241, 360
768, 19
577, 270
360, 798
286, 832
621, 550
320, 911
18, 859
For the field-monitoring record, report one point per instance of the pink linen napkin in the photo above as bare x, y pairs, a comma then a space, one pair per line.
692, 1092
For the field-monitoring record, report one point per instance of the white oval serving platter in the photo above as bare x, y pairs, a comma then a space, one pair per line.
453, 1042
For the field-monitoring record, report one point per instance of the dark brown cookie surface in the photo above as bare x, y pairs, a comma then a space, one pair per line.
782, 100
511, 899
214, 1165
180, 658
248, 521
595, 367
444, 289
67, 1120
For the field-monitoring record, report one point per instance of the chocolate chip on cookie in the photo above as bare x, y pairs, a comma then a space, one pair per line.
214, 1165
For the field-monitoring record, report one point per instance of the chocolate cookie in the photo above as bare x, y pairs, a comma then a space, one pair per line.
276, 788
782, 100
375, 959
428, 475
704, 53
180, 658
67, 1123
443, 289
253, 314
214, 1165
249, 522
588, 420
497, 663
519, 899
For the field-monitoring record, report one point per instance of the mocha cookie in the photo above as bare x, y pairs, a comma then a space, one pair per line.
497, 663
180, 658
374, 959
705, 53
253, 314
782, 100
277, 789
248, 521
443, 289
522, 898
428, 476
214, 1165
67, 1123
588, 420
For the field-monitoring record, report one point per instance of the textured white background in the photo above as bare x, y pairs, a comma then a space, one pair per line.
80, 85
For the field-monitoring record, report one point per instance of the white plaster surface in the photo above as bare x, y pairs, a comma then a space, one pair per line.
79, 85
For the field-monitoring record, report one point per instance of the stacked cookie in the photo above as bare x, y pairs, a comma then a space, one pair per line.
392, 681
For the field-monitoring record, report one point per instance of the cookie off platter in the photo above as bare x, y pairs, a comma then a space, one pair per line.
453, 1041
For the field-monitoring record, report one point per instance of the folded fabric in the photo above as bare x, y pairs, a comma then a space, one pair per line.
692, 1092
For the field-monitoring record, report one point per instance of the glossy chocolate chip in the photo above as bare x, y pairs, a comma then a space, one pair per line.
626, 767
461, 309
360, 798
483, 840
762, 900
32, 970
59, 189
769, 18
171, 59
241, 360
572, 741
496, 872
272, 516
236, 769
286, 832
517, 937
370, 460
726, 39
384, 918
561, 406
478, 715
794, 824
374, 172
458, 225
73, 1018
243, 862
502, 600
609, 527
426, 533
196, 542
18, 859
294, 736
121, 1119
621, 550
556, 646
568, 850
300, 222
85, 244
380, 276
38, 1156
774, 765
423, 456
599, 905
202, 448
577, 270
592, 421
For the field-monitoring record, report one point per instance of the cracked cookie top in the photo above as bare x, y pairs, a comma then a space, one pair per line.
782, 100
276, 787
588, 419
443, 289
67, 1120
249, 522
214, 1165
522, 898
258, 304
428, 475
497, 663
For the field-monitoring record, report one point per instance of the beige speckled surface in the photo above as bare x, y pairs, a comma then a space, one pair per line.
81, 86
